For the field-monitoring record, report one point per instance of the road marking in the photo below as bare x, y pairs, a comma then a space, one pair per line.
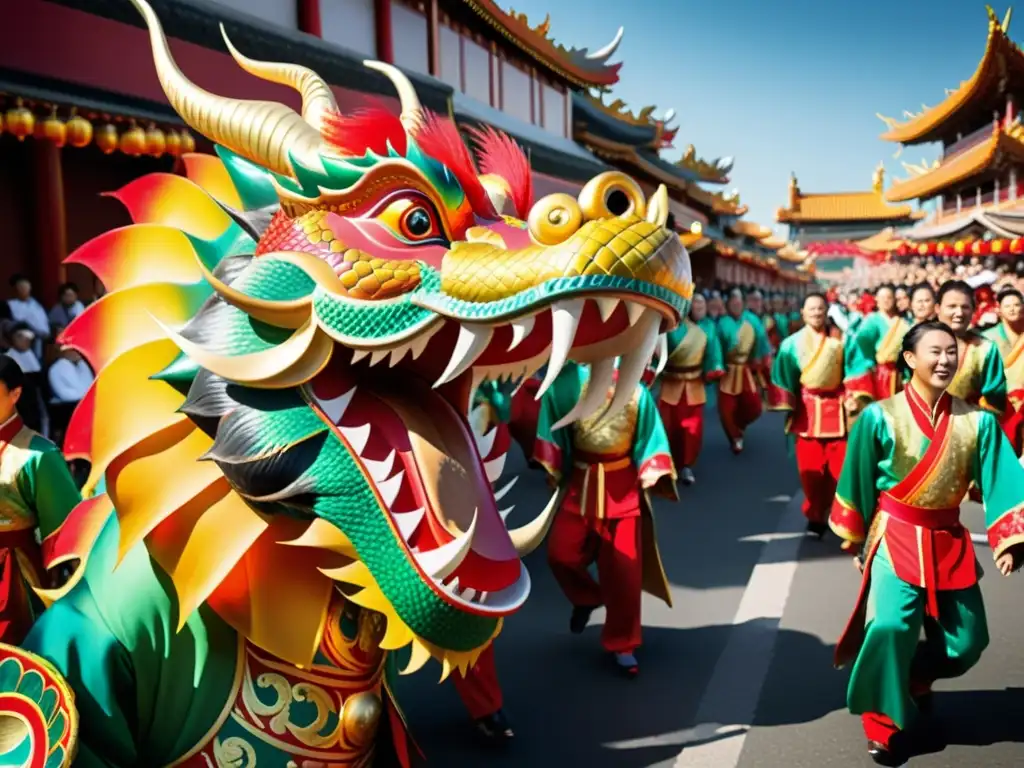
729, 704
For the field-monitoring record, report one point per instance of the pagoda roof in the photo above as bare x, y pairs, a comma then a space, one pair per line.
884, 241
790, 254
1000, 71
579, 66
722, 203
1004, 142
616, 123
750, 229
710, 171
843, 206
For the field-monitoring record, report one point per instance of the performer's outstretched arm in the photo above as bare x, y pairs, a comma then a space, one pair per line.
1000, 478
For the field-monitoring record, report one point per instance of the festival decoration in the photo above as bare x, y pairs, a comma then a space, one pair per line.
54, 129
79, 130
133, 141
20, 121
156, 143
266, 335
106, 138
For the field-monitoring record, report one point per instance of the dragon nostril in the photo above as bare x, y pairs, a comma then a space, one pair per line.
618, 202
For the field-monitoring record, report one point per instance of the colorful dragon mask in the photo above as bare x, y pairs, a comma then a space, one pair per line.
292, 337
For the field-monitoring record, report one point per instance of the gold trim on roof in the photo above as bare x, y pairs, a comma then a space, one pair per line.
716, 170
1000, 54
844, 206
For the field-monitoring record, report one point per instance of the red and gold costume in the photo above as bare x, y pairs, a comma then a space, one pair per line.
747, 353
807, 381
606, 469
695, 358
1010, 346
879, 339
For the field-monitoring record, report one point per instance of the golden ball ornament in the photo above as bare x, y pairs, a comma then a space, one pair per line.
156, 143
173, 142
106, 138
79, 131
53, 129
188, 144
133, 141
20, 121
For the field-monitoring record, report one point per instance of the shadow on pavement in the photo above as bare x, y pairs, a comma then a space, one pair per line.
971, 718
570, 708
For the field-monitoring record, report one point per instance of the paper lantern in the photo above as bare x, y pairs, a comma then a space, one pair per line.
998, 246
79, 131
1016, 245
133, 141
20, 122
173, 142
53, 129
156, 143
960, 246
923, 249
106, 138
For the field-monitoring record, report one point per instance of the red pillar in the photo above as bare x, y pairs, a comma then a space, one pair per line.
51, 239
309, 17
382, 28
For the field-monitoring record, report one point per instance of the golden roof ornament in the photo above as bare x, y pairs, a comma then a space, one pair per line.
878, 179
794, 192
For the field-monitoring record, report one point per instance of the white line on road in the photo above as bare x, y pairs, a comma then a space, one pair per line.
727, 709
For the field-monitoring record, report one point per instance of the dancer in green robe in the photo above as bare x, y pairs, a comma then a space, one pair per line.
910, 461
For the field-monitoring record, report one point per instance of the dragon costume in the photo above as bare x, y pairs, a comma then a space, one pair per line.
285, 487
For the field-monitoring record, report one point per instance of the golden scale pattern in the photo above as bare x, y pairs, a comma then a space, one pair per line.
618, 247
364, 276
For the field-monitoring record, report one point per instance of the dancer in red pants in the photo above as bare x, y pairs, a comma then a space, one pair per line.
695, 358
747, 354
807, 381
606, 463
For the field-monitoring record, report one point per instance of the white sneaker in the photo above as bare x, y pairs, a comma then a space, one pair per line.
737, 445
687, 476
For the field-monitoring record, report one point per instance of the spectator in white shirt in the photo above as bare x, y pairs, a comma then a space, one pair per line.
67, 309
25, 309
30, 405
70, 378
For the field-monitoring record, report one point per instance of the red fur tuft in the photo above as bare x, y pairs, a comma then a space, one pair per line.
440, 139
499, 154
369, 128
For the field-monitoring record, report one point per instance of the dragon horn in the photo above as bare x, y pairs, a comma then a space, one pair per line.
412, 111
263, 132
317, 97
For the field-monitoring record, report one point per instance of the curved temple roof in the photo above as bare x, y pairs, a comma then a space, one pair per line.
844, 206
579, 66
1002, 59
962, 166
616, 123
714, 171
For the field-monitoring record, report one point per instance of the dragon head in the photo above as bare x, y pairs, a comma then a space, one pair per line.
341, 286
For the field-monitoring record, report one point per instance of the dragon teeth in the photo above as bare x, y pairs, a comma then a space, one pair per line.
335, 408
633, 365
440, 563
500, 494
472, 341
357, 437
635, 311
520, 330
409, 522
662, 354
389, 489
486, 443
379, 356
359, 354
606, 306
506, 512
602, 374
494, 468
565, 319
397, 355
379, 470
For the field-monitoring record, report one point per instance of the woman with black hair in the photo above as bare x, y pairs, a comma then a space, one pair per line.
922, 303
879, 337
910, 460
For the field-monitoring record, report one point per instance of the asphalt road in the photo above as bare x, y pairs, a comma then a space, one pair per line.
738, 674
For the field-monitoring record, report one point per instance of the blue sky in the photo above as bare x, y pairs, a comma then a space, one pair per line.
783, 85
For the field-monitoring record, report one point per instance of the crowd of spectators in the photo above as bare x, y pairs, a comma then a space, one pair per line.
56, 376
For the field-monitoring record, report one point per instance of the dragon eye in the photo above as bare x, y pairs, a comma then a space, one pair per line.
414, 220
418, 223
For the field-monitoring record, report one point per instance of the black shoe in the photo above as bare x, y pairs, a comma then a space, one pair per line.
817, 529
882, 755
580, 617
495, 728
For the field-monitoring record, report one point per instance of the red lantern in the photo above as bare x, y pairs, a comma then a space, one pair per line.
923, 249
960, 247
998, 246
1016, 245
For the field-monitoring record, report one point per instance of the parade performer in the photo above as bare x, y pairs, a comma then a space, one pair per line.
1008, 338
796, 319
902, 296
807, 382
285, 488
980, 378
37, 493
922, 304
695, 359
879, 337
716, 305
911, 459
746, 351
606, 464
780, 320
